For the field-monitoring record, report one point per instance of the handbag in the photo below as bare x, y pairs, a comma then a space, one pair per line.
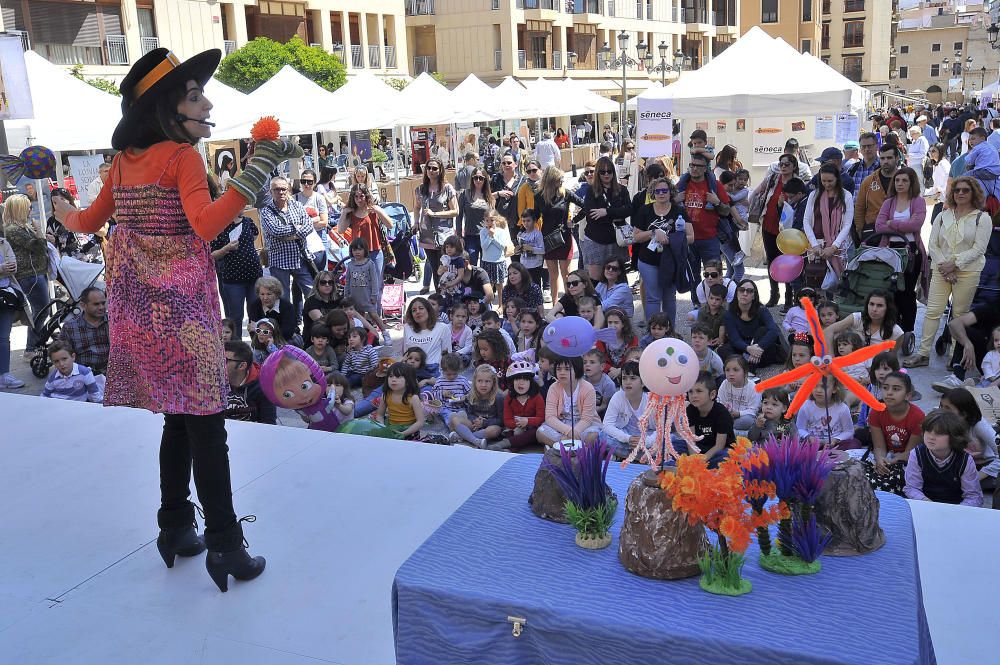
624, 234
11, 297
554, 239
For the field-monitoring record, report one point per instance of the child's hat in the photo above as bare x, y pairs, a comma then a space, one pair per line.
521, 367
267, 322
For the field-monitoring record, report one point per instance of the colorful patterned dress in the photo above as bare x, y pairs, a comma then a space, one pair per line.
163, 301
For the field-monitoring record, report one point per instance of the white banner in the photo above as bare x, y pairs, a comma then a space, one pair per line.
655, 129
768, 140
15, 94
84, 170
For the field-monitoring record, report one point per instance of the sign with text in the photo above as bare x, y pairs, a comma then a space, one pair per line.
655, 129
15, 93
84, 169
768, 140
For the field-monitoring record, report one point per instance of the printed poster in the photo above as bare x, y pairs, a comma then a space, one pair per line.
720, 125
798, 125
84, 170
741, 125
703, 126
15, 93
655, 127
823, 131
848, 128
768, 140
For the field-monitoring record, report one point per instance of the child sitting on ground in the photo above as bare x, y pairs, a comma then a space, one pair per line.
461, 334
991, 362
451, 271
843, 344
529, 332
401, 408
437, 302
795, 318
771, 420
371, 388
546, 374
570, 407
940, 469
625, 339
894, 433
227, 330
710, 420
511, 315
737, 394
340, 392
800, 349
659, 327
321, 352
361, 357
708, 360
586, 307
482, 419
711, 315
882, 365
416, 358
452, 388
492, 350
68, 380
825, 416
475, 307
829, 313
523, 408
593, 371
491, 321
621, 421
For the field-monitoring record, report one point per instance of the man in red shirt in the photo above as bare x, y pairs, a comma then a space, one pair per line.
703, 207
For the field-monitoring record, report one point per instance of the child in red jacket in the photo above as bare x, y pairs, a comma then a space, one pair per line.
524, 409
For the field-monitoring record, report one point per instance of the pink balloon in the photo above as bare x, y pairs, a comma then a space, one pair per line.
786, 267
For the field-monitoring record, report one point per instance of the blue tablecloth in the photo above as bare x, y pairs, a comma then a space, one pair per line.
493, 559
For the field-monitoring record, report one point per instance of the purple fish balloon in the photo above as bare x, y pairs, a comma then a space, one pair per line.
573, 336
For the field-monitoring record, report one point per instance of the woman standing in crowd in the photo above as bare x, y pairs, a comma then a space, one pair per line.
437, 206
726, 161
367, 221
505, 185
8, 312
917, 150
903, 214
530, 186
551, 203
315, 204
766, 204
750, 329
237, 264
940, 166
606, 206
158, 193
473, 204
323, 158
421, 329
562, 139
27, 238
654, 223
957, 248
829, 218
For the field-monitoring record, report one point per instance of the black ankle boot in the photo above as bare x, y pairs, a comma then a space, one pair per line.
227, 555
183, 541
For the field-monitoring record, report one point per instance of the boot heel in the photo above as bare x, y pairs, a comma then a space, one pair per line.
237, 563
220, 577
166, 553
179, 542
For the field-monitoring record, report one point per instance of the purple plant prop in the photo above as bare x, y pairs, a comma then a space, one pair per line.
784, 469
815, 462
585, 487
808, 538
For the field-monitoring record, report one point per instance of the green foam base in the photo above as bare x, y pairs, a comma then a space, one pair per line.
721, 589
775, 562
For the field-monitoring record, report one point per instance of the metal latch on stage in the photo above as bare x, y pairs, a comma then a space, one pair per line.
519, 624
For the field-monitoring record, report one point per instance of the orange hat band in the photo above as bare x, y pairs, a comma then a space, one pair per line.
170, 62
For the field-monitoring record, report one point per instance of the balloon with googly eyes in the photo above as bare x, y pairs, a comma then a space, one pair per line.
668, 368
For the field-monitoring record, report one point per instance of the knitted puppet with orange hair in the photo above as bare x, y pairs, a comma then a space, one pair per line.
823, 364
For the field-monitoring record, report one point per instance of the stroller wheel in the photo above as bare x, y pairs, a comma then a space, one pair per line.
40, 365
943, 343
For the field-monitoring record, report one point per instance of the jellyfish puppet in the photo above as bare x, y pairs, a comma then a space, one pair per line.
668, 368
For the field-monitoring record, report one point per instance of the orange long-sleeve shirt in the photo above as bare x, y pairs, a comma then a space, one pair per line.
186, 172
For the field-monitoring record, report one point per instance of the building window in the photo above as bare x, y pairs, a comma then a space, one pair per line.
958, 46
825, 45
807, 46
956, 69
854, 34
826, 7
905, 48
853, 67
935, 71
935, 48
496, 4
825, 59
904, 72
769, 11
854, 5
807, 10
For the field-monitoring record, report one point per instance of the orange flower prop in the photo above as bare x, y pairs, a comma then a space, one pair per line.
266, 129
824, 365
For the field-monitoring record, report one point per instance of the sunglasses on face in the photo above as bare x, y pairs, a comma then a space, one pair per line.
605, 172
612, 269
574, 283
962, 190
263, 331
661, 192
279, 189
433, 168
531, 170
507, 163
326, 282
711, 275
745, 289
478, 177
307, 182
589, 172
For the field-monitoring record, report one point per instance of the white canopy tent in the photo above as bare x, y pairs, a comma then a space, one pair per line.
425, 102
70, 114
474, 100
633, 102
363, 102
770, 84
296, 101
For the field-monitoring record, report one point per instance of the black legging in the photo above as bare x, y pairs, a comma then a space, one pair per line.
433, 263
772, 252
198, 443
980, 338
906, 300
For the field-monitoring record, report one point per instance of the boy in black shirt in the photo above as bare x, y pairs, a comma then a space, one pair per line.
709, 419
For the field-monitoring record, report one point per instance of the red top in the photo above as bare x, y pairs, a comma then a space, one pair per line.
897, 433
533, 410
772, 212
364, 227
706, 222
562, 141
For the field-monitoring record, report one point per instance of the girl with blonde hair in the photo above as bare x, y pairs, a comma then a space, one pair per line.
27, 239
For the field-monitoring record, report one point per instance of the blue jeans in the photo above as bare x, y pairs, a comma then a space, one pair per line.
235, 298
473, 247
699, 252
656, 299
734, 271
365, 406
354, 379
6, 321
36, 289
379, 259
303, 280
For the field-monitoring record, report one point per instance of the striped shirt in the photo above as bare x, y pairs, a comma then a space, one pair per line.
79, 386
359, 362
457, 389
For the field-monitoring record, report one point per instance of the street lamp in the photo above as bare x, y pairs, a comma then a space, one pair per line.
982, 77
665, 66
991, 35
623, 61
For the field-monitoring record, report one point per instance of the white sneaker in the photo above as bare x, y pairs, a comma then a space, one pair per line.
10, 381
548, 296
950, 382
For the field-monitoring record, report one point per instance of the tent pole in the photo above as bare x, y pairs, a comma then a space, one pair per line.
572, 161
397, 154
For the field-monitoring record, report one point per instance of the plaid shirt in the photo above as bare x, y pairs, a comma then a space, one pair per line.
285, 254
858, 172
90, 342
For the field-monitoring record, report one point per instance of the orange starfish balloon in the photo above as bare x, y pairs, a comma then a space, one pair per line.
825, 365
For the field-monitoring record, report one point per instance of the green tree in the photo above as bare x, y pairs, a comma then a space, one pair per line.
400, 84
101, 83
246, 68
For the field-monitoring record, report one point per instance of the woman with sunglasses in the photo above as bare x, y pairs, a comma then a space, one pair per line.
318, 211
437, 208
578, 285
366, 220
606, 206
959, 238
654, 224
321, 301
750, 330
613, 288
504, 187
766, 204
473, 205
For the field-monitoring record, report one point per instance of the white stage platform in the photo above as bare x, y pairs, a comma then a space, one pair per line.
82, 582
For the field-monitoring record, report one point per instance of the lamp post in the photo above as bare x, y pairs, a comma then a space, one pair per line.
338, 50
991, 35
623, 61
665, 66
982, 77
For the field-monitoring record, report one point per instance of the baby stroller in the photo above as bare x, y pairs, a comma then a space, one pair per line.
400, 239
871, 267
73, 276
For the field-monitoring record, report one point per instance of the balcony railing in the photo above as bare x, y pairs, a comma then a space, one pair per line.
557, 60
552, 5
695, 14
357, 57
497, 60
374, 56
117, 51
149, 44
419, 7
25, 40
586, 7
522, 59
228, 46
424, 63
390, 57
854, 5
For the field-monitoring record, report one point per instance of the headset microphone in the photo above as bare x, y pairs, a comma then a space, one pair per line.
183, 118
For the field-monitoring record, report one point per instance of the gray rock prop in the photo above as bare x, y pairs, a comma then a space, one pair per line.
848, 507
